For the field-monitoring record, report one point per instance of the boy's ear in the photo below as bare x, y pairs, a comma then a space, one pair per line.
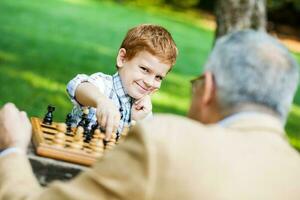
121, 58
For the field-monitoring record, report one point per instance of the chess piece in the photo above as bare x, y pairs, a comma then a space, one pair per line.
111, 142
87, 131
59, 138
85, 112
97, 144
49, 116
61, 127
97, 134
69, 122
77, 142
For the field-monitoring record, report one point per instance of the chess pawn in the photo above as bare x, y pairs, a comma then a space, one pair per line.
112, 142
79, 133
97, 146
61, 127
49, 116
98, 134
77, 142
59, 138
69, 122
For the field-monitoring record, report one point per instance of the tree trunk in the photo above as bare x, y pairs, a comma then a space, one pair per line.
234, 15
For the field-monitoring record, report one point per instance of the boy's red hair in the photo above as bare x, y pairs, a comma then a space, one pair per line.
152, 38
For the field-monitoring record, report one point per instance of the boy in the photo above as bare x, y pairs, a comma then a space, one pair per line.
146, 55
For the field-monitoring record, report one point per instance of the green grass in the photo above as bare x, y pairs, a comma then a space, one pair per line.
44, 44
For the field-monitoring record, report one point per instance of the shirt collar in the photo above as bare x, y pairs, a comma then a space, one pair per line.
253, 121
236, 116
119, 89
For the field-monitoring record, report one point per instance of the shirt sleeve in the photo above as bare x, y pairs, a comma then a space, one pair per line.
11, 150
95, 79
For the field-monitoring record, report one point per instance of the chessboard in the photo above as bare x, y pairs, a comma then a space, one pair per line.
56, 140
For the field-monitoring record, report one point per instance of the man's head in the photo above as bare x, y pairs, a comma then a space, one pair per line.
246, 69
146, 55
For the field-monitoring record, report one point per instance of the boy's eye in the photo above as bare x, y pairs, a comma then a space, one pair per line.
159, 78
144, 69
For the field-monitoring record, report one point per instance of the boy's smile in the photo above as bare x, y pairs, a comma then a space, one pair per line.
141, 75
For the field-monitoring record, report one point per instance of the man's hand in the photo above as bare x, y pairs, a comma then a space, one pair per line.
108, 116
15, 128
141, 108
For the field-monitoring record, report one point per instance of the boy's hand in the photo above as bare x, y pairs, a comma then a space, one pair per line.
141, 108
108, 117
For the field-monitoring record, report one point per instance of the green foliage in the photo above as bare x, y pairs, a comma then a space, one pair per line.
276, 4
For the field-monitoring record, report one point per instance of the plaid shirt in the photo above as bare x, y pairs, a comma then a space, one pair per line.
111, 87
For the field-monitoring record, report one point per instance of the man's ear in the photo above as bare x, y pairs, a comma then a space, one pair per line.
209, 88
121, 58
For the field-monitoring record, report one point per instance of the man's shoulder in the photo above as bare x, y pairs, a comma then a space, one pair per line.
171, 125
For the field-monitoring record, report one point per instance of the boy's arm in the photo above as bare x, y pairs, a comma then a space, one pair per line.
89, 91
95, 79
108, 116
88, 95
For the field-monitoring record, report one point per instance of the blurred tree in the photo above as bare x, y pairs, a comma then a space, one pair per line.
233, 15
276, 4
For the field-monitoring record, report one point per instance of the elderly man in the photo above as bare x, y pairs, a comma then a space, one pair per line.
244, 94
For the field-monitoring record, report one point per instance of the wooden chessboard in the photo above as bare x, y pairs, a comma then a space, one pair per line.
49, 141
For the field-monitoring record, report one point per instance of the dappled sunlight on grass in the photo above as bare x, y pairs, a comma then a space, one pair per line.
164, 98
25, 90
77, 2
34, 80
103, 50
7, 57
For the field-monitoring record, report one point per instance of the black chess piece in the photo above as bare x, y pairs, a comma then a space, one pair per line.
84, 117
87, 130
93, 128
49, 115
69, 122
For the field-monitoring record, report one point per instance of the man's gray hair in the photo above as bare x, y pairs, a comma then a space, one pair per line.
253, 67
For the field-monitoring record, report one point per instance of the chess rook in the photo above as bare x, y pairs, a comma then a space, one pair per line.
49, 115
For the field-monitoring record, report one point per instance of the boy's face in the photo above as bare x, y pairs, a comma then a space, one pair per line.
142, 75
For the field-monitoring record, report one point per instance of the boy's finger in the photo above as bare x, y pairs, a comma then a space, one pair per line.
103, 120
109, 127
139, 107
138, 101
116, 123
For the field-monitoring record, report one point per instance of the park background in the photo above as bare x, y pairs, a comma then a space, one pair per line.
44, 44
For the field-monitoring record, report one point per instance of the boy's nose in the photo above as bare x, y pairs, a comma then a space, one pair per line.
149, 81
152, 83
